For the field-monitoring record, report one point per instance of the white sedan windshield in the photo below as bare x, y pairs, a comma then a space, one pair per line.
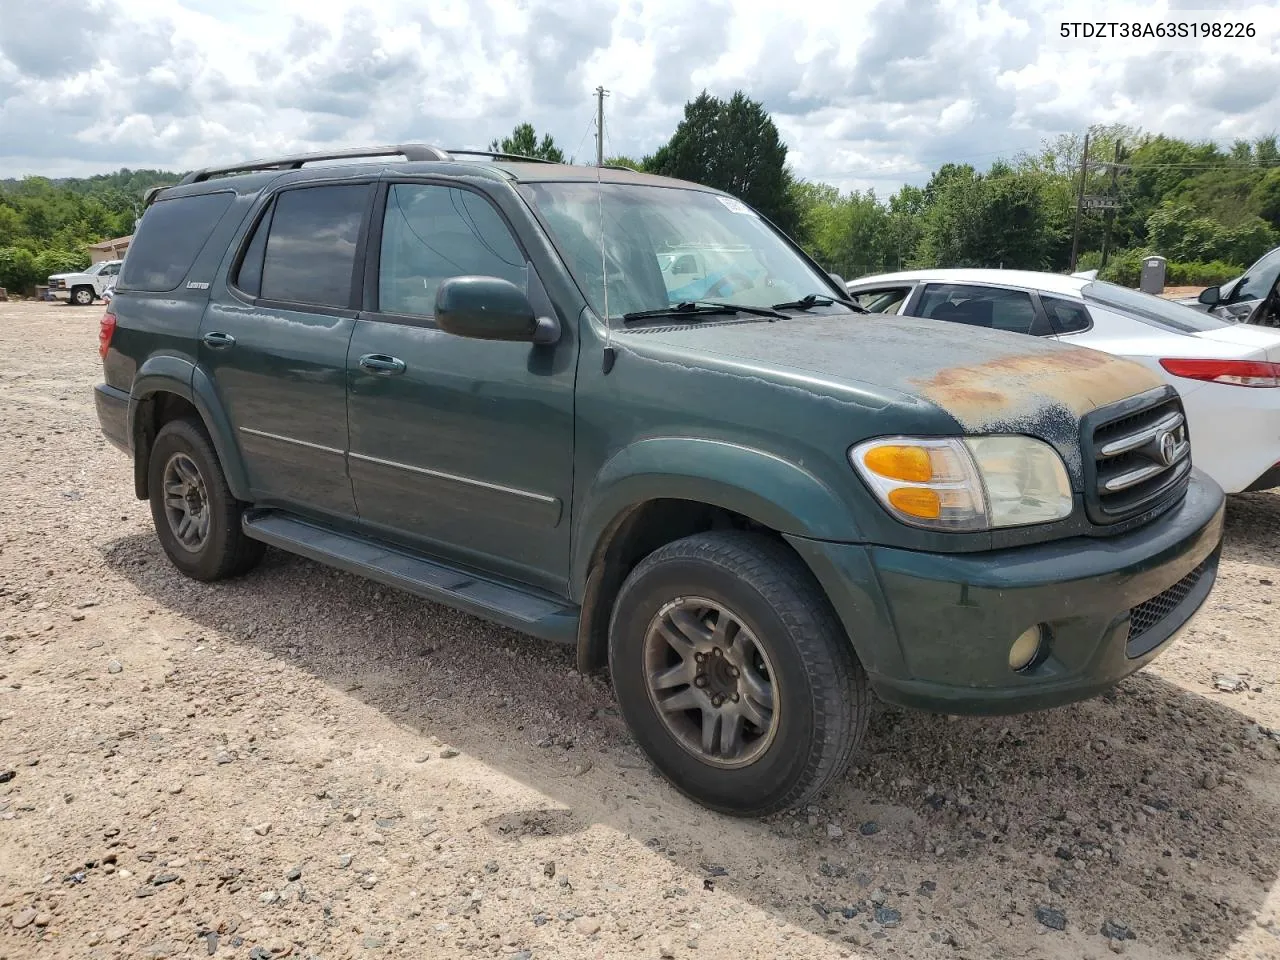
666, 245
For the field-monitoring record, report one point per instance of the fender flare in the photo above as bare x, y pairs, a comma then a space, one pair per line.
181, 377
777, 493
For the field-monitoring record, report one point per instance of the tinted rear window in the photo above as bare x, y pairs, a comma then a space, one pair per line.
172, 233
1152, 310
311, 249
1067, 316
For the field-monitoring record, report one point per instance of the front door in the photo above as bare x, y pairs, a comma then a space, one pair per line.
276, 346
462, 448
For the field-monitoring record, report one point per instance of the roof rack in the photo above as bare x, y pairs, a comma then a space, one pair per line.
498, 155
410, 151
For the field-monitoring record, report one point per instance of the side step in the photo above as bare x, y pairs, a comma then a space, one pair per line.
519, 608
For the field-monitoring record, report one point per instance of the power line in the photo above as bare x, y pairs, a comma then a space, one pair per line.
1225, 163
583, 139
1129, 167
1207, 165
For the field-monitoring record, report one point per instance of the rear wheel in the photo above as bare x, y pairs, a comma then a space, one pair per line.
733, 673
196, 518
82, 296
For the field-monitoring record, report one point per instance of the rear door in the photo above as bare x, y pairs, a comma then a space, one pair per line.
459, 447
276, 344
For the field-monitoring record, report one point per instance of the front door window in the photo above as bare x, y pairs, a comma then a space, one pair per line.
431, 233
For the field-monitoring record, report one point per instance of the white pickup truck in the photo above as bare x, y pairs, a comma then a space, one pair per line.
83, 288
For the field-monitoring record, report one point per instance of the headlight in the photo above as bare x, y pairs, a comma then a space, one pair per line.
974, 483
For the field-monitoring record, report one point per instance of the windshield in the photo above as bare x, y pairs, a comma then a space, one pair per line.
1259, 278
96, 269
665, 245
1153, 310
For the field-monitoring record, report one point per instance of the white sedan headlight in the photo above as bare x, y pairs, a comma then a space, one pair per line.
963, 484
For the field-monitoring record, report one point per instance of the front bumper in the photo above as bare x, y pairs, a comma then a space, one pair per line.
934, 630
113, 414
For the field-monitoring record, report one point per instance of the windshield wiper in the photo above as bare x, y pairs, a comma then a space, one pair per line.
703, 308
819, 300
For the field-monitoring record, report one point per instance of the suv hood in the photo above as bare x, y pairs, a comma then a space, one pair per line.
64, 276
987, 380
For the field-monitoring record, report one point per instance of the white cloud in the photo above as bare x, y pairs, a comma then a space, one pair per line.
872, 96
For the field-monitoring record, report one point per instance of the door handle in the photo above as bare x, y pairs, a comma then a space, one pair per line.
218, 341
381, 364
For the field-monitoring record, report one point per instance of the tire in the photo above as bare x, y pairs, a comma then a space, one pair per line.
213, 545
82, 296
788, 641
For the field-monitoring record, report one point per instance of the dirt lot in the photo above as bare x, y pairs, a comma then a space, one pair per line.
1174, 293
302, 763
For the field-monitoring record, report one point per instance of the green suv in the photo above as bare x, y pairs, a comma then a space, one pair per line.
486, 381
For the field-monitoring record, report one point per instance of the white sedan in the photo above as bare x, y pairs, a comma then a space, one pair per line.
1228, 374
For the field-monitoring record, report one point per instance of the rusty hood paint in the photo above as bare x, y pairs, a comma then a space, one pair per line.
987, 380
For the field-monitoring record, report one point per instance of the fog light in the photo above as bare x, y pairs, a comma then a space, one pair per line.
1027, 648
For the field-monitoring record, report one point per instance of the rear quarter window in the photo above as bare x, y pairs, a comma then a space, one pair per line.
1067, 316
169, 238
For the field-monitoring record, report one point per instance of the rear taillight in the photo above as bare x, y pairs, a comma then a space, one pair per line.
1237, 373
106, 329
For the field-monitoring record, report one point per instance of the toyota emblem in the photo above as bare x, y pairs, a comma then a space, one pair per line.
1168, 446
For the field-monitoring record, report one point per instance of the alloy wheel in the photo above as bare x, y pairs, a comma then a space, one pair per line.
186, 502
710, 679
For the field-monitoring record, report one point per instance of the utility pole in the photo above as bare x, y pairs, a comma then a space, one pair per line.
601, 93
1111, 214
1075, 231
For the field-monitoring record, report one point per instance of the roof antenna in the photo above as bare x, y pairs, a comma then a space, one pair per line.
610, 355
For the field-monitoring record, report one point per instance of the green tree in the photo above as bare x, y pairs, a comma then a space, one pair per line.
849, 234
1264, 198
621, 161
11, 225
18, 270
54, 261
1178, 231
734, 146
524, 142
986, 220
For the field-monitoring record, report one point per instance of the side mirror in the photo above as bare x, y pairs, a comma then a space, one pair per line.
488, 308
1210, 296
839, 282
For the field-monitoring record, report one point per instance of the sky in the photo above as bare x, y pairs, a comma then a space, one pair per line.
866, 95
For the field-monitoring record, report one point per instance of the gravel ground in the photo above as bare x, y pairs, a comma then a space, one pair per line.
302, 763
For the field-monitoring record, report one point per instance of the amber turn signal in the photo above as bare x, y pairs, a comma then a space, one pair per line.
916, 502
910, 464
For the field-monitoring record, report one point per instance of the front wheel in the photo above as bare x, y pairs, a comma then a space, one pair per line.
82, 296
733, 673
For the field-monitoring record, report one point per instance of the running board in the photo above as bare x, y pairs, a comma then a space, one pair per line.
513, 606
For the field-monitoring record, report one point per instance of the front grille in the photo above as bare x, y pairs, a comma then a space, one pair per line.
1138, 461
1149, 613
